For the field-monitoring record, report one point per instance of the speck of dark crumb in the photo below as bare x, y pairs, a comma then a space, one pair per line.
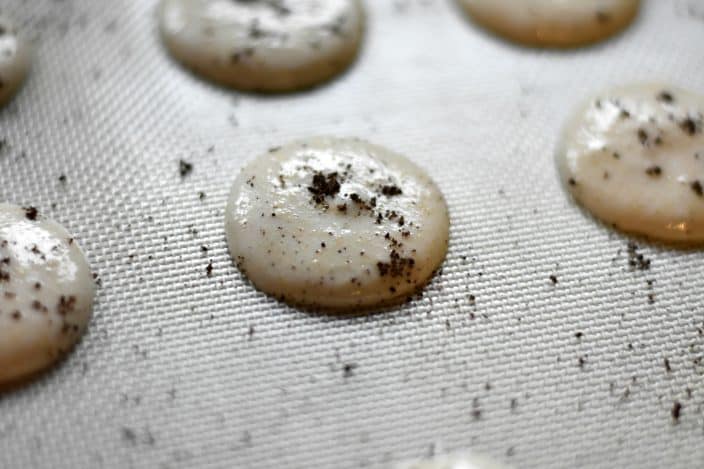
654, 171
324, 185
348, 370
209, 269
668, 367
31, 213
603, 17
642, 136
636, 260
476, 411
665, 97
184, 168
201, 195
553, 279
581, 362
204, 248
129, 435
62, 179
689, 126
572, 182
697, 188
391, 190
676, 412
579, 335
240, 54
397, 266
255, 32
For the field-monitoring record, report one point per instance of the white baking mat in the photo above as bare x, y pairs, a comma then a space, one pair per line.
182, 370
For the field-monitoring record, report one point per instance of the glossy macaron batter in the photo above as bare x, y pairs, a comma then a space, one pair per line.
337, 224
46, 292
14, 60
553, 23
263, 45
634, 157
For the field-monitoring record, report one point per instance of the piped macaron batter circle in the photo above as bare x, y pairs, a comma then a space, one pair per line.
634, 157
553, 23
336, 224
46, 292
14, 60
263, 45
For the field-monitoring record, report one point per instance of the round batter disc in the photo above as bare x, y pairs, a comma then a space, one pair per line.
336, 224
634, 157
14, 60
46, 292
263, 45
553, 23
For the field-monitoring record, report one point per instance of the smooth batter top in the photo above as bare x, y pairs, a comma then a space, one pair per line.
263, 45
46, 292
336, 224
634, 156
14, 60
553, 23
459, 461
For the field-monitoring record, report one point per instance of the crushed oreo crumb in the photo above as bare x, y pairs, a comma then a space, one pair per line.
324, 185
391, 191
636, 260
31, 213
676, 411
690, 126
666, 97
184, 168
348, 370
654, 171
397, 266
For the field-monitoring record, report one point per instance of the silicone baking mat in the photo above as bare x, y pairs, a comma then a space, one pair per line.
181, 369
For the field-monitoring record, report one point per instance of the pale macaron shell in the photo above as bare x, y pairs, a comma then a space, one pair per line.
553, 23
633, 158
15, 59
298, 251
253, 46
46, 293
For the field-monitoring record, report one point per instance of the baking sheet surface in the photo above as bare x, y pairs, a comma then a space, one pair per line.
182, 370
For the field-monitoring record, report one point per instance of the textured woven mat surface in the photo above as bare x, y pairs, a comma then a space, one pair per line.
182, 370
